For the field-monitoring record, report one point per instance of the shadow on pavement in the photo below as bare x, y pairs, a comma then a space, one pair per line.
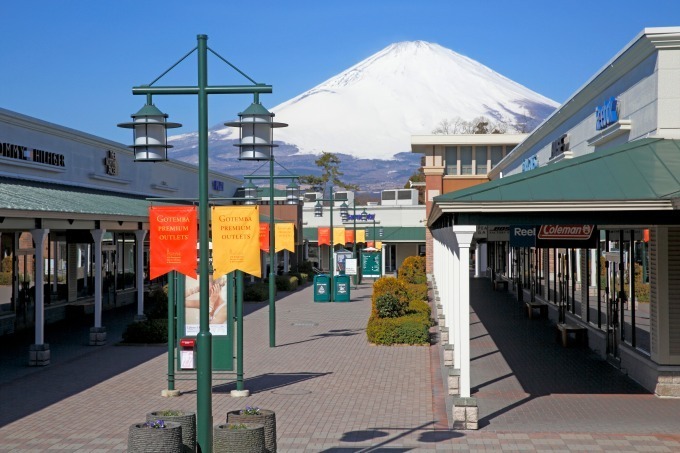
270, 382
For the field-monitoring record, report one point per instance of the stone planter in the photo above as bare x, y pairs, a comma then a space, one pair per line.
142, 439
266, 418
249, 438
188, 422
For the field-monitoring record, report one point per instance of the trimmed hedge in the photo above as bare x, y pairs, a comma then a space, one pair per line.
401, 313
257, 292
286, 282
409, 329
149, 331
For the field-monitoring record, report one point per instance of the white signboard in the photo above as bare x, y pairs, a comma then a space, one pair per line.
351, 266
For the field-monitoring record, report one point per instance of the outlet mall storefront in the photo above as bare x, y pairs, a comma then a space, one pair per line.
607, 162
74, 224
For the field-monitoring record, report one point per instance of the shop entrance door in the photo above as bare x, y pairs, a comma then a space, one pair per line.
611, 265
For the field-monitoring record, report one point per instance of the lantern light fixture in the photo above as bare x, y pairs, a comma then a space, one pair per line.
150, 127
256, 132
318, 209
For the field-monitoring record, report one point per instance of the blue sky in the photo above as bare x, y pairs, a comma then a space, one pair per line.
74, 62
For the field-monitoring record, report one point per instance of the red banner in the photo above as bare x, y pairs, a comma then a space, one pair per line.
173, 238
324, 236
264, 237
349, 236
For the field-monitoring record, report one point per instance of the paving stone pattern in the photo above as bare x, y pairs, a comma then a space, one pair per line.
333, 392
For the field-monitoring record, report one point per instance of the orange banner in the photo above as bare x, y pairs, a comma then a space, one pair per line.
285, 236
236, 240
339, 236
324, 236
264, 237
173, 238
349, 236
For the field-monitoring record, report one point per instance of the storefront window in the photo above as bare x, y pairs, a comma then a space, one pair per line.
466, 160
496, 155
125, 251
451, 160
480, 160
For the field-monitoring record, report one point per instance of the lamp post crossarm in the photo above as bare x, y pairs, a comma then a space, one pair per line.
223, 89
249, 177
232, 66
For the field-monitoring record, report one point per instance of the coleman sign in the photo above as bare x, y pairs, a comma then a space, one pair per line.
553, 236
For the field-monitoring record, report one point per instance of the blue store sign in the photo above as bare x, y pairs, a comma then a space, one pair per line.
606, 114
522, 235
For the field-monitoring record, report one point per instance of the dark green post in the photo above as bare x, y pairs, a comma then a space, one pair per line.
171, 330
239, 330
204, 419
354, 244
272, 256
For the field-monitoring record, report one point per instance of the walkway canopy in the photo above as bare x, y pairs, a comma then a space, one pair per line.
638, 182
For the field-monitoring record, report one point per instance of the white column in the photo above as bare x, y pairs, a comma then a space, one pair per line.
139, 238
454, 278
464, 235
97, 236
286, 261
478, 262
483, 255
39, 236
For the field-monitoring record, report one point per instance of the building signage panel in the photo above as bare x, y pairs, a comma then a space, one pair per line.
530, 163
559, 146
522, 236
498, 233
567, 236
32, 155
606, 114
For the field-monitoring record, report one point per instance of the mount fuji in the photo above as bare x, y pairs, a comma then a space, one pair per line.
370, 111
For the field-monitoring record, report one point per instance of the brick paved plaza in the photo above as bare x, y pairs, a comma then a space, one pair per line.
333, 392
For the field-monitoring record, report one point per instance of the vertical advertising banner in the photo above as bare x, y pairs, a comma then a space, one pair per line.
324, 235
361, 236
285, 236
173, 238
339, 236
236, 240
349, 236
264, 237
217, 306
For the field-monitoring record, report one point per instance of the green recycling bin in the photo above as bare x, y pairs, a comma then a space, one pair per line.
341, 290
322, 288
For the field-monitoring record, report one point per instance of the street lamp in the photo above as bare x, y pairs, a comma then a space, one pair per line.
318, 212
257, 143
152, 147
292, 198
344, 213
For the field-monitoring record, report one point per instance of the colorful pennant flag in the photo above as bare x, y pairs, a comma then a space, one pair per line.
324, 234
339, 236
264, 237
236, 240
349, 236
173, 238
285, 236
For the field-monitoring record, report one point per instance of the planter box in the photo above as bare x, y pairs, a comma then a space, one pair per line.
266, 418
142, 439
249, 439
188, 422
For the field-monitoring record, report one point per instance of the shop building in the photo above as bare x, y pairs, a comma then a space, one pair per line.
584, 215
74, 224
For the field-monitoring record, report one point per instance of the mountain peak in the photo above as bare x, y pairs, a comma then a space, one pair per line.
371, 109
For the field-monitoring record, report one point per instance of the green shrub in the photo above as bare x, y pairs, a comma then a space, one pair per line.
641, 288
5, 278
305, 268
149, 331
419, 307
156, 303
412, 270
390, 285
286, 282
302, 277
410, 329
416, 291
389, 306
257, 292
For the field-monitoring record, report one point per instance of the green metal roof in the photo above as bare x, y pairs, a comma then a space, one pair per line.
645, 169
22, 195
390, 234
608, 187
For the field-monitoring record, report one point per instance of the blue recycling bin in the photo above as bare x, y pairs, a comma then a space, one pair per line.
322, 288
341, 288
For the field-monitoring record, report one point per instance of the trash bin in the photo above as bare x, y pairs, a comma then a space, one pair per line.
341, 288
322, 288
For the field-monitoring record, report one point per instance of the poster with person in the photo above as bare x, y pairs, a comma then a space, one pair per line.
217, 306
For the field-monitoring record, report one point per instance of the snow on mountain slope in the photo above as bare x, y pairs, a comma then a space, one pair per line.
371, 109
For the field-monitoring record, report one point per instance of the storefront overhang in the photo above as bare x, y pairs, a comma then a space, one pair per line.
389, 234
635, 183
20, 198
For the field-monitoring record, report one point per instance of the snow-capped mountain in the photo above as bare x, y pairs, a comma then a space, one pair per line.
372, 108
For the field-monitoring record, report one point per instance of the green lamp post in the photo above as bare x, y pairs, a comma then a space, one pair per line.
150, 146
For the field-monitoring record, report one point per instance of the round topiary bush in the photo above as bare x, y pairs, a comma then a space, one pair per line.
390, 306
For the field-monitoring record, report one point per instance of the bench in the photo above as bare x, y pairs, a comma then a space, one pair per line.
500, 283
564, 331
541, 307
